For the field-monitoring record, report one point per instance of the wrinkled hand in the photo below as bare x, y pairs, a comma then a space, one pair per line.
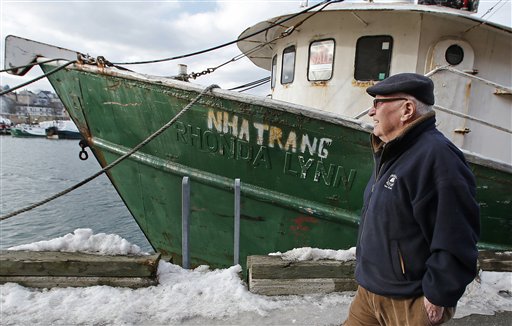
434, 313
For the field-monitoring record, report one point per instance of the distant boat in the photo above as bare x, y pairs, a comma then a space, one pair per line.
302, 155
24, 130
63, 129
5, 126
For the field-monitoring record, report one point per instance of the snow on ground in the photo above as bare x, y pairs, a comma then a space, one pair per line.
200, 296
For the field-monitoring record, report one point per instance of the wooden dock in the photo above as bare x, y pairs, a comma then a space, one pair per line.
271, 275
45, 269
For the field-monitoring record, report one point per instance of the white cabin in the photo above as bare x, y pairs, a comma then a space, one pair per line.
328, 59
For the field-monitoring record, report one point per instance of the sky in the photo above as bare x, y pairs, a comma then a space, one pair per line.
133, 30
200, 296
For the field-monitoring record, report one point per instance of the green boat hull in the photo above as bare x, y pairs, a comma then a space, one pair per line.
302, 172
19, 132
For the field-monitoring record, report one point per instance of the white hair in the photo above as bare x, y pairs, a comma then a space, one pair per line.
421, 108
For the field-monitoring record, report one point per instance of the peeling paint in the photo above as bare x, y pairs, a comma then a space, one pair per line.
300, 221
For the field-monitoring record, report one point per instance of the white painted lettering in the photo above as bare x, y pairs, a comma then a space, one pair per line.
307, 144
322, 151
275, 136
261, 130
244, 130
215, 122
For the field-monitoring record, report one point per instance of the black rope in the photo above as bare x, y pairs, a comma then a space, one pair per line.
261, 81
324, 3
37, 78
194, 75
257, 85
111, 165
29, 65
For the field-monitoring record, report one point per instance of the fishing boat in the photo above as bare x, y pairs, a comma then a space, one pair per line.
5, 126
302, 154
28, 130
63, 129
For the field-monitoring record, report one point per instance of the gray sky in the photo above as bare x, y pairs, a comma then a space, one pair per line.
143, 30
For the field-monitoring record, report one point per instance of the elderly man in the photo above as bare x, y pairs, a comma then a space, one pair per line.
416, 249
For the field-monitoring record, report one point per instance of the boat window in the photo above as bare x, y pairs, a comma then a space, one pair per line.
321, 60
373, 57
288, 66
454, 54
273, 72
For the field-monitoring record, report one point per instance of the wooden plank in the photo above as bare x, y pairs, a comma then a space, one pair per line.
301, 286
273, 267
271, 275
44, 263
73, 281
495, 261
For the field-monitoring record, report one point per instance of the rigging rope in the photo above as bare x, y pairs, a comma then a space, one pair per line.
258, 82
29, 65
323, 3
119, 160
37, 78
286, 33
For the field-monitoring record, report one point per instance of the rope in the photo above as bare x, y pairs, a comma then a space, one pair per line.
37, 78
255, 83
29, 65
324, 3
111, 165
286, 33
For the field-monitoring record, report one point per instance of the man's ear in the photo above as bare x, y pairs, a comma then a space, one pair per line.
408, 112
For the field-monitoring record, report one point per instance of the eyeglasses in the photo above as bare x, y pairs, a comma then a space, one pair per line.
385, 100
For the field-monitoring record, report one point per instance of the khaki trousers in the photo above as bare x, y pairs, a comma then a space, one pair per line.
370, 309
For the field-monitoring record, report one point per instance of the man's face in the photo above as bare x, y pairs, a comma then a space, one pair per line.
386, 113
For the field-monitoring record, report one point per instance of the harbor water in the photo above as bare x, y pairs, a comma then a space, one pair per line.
33, 169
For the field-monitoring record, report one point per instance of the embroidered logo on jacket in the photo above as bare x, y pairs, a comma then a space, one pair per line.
391, 181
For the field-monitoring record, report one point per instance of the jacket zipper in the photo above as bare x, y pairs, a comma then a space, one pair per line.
377, 175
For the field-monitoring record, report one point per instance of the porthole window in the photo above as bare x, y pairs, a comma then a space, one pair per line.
373, 57
454, 54
273, 72
288, 66
321, 60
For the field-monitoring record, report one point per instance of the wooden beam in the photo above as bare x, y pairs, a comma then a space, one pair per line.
52, 269
271, 275
496, 261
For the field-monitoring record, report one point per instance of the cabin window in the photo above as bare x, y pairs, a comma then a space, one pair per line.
273, 72
373, 57
321, 60
454, 54
288, 66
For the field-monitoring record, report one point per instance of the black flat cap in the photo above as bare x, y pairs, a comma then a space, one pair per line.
419, 86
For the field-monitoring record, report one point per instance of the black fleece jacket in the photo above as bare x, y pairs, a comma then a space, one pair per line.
420, 220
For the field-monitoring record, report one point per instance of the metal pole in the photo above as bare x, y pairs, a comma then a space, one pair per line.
236, 254
185, 226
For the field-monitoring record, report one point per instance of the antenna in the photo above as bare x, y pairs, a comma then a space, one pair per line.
304, 4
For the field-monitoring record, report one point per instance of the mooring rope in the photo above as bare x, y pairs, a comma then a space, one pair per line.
111, 165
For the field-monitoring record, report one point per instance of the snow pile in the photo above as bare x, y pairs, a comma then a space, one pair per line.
489, 292
84, 240
201, 296
308, 253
